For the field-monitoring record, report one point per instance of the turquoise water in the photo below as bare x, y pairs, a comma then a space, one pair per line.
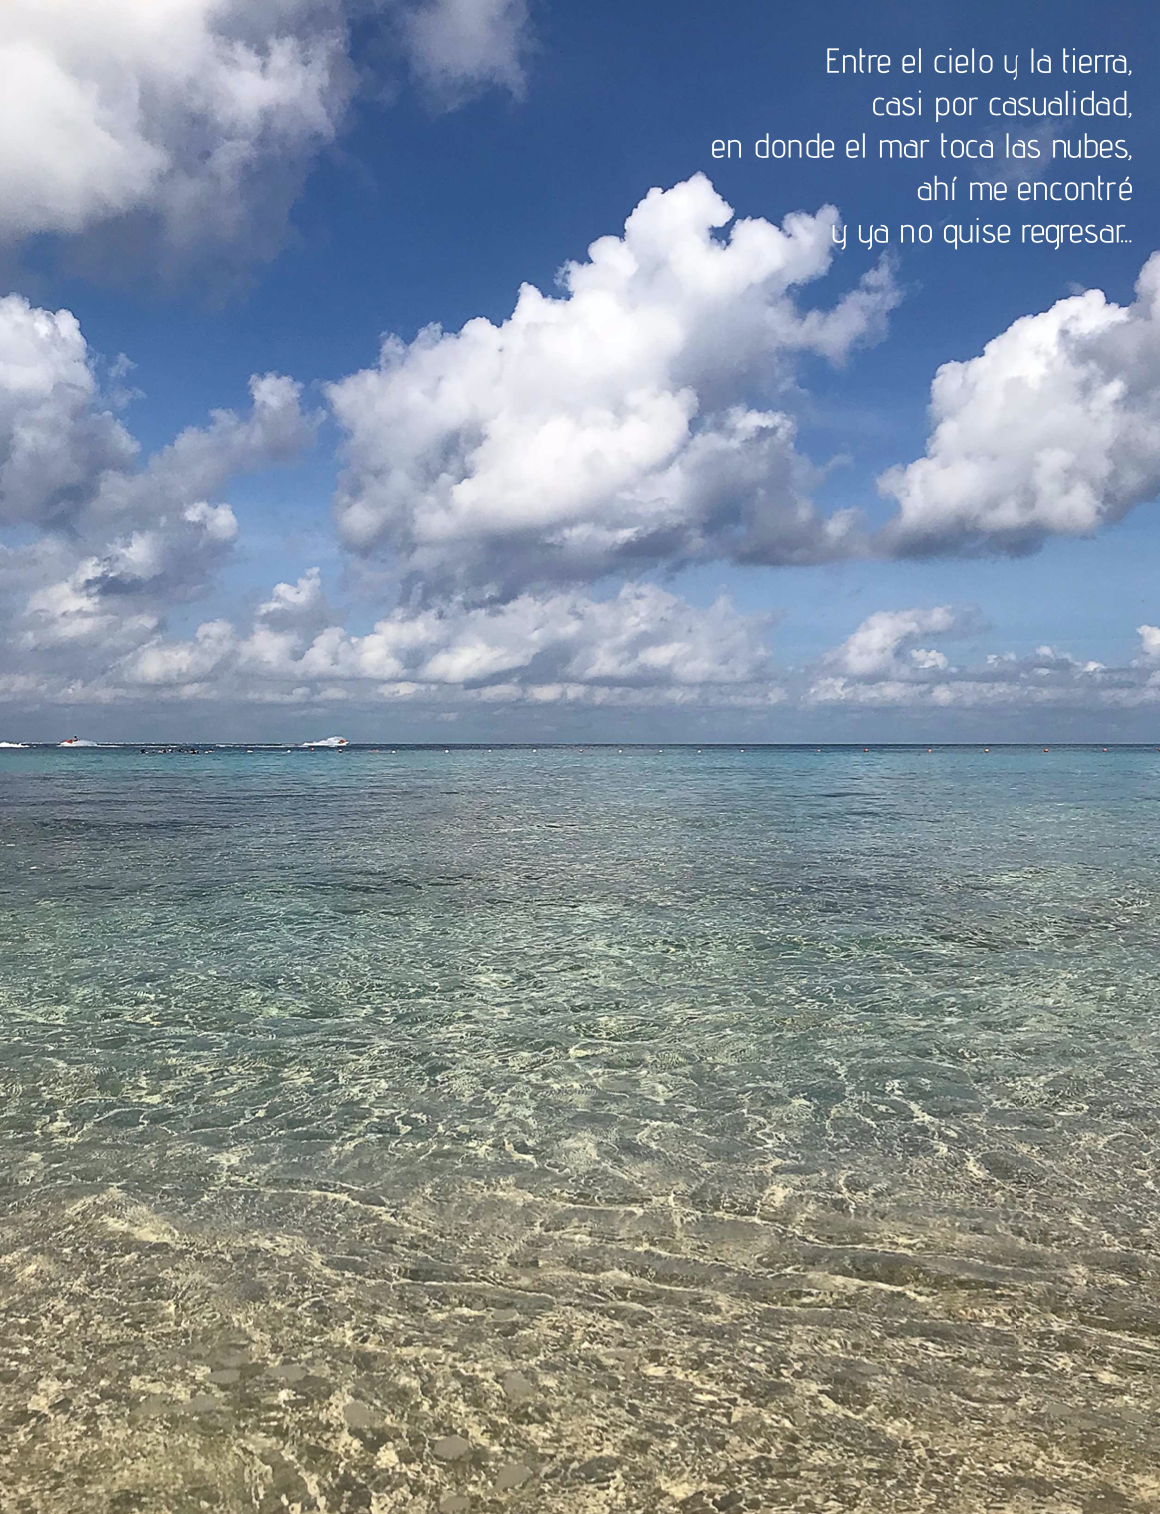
581, 1130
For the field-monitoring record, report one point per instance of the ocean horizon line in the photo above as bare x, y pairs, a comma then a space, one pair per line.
193, 745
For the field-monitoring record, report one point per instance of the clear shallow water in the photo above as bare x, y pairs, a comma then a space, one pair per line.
579, 1131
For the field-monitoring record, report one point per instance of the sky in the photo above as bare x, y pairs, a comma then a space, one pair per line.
416, 370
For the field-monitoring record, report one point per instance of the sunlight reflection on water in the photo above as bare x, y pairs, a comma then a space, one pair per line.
605, 1130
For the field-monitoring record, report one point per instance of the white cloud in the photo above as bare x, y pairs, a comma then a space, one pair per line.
118, 542
628, 420
876, 649
613, 425
643, 649
67, 462
641, 646
187, 662
202, 114
1053, 430
57, 437
880, 666
117, 598
200, 460
177, 106
457, 46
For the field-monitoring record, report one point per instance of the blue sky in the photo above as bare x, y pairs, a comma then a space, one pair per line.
651, 504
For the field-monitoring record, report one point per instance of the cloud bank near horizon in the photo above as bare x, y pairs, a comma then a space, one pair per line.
641, 649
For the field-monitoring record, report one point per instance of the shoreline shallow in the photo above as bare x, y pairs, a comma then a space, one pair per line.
566, 1359
741, 1135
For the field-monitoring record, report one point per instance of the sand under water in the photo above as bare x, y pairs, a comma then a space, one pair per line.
583, 1131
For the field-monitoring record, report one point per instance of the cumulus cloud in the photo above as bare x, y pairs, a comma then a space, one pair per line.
632, 419
203, 115
115, 541
68, 463
182, 107
201, 459
57, 437
881, 666
116, 598
1054, 430
885, 644
457, 46
640, 645
98, 637
615, 425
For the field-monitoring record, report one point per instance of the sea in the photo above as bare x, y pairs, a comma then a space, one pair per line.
582, 1129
